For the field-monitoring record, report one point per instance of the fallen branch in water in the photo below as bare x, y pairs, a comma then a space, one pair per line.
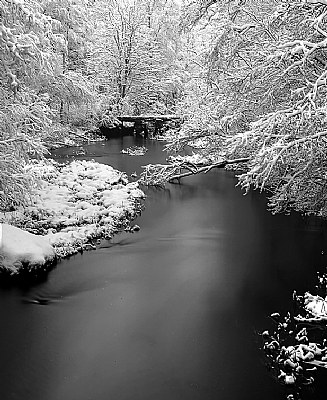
220, 164
159, 174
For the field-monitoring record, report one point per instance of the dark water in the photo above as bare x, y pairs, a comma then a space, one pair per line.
170, 312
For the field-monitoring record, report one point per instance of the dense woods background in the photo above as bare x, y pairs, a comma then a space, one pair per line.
248, 76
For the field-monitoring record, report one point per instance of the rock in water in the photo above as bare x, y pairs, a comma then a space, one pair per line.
135, 228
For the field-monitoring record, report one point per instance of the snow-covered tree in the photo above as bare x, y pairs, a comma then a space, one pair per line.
32, 81
24, 112
133, 53
263, 97
70, 90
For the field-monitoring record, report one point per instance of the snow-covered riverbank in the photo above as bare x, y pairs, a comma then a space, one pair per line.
20, 248
74, 206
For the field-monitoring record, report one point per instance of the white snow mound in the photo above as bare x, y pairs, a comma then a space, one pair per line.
18, 247
76, 204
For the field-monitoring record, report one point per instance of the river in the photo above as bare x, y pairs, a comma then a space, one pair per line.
167, 313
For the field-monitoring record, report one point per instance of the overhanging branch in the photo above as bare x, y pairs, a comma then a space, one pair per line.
207, 168
159, 174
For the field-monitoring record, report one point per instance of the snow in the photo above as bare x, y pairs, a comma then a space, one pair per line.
315, 305
135, 150
316, 308
198, 159
19, 247
75, 205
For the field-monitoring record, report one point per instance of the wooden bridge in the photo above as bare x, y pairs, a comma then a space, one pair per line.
148, 124
150, 117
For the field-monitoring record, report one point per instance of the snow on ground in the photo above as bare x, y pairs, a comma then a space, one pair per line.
77, 204
18, 247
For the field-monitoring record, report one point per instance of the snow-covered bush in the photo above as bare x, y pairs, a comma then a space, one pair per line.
78, 203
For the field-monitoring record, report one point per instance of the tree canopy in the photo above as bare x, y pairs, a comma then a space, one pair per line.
66, 63
249, 78
259, 95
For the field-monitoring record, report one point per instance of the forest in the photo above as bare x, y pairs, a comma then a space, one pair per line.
246, 78
67, 67
249, 78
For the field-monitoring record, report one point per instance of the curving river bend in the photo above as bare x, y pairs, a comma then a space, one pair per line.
170, 312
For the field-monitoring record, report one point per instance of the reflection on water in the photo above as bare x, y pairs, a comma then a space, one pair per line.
169, 312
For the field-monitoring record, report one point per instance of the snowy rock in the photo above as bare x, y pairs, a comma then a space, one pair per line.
19, 248
289, 379
315, 305
135, 228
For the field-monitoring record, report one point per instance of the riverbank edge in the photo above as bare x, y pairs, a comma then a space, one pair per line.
97, 202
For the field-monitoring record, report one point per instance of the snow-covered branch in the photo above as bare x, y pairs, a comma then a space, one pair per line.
178, 168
